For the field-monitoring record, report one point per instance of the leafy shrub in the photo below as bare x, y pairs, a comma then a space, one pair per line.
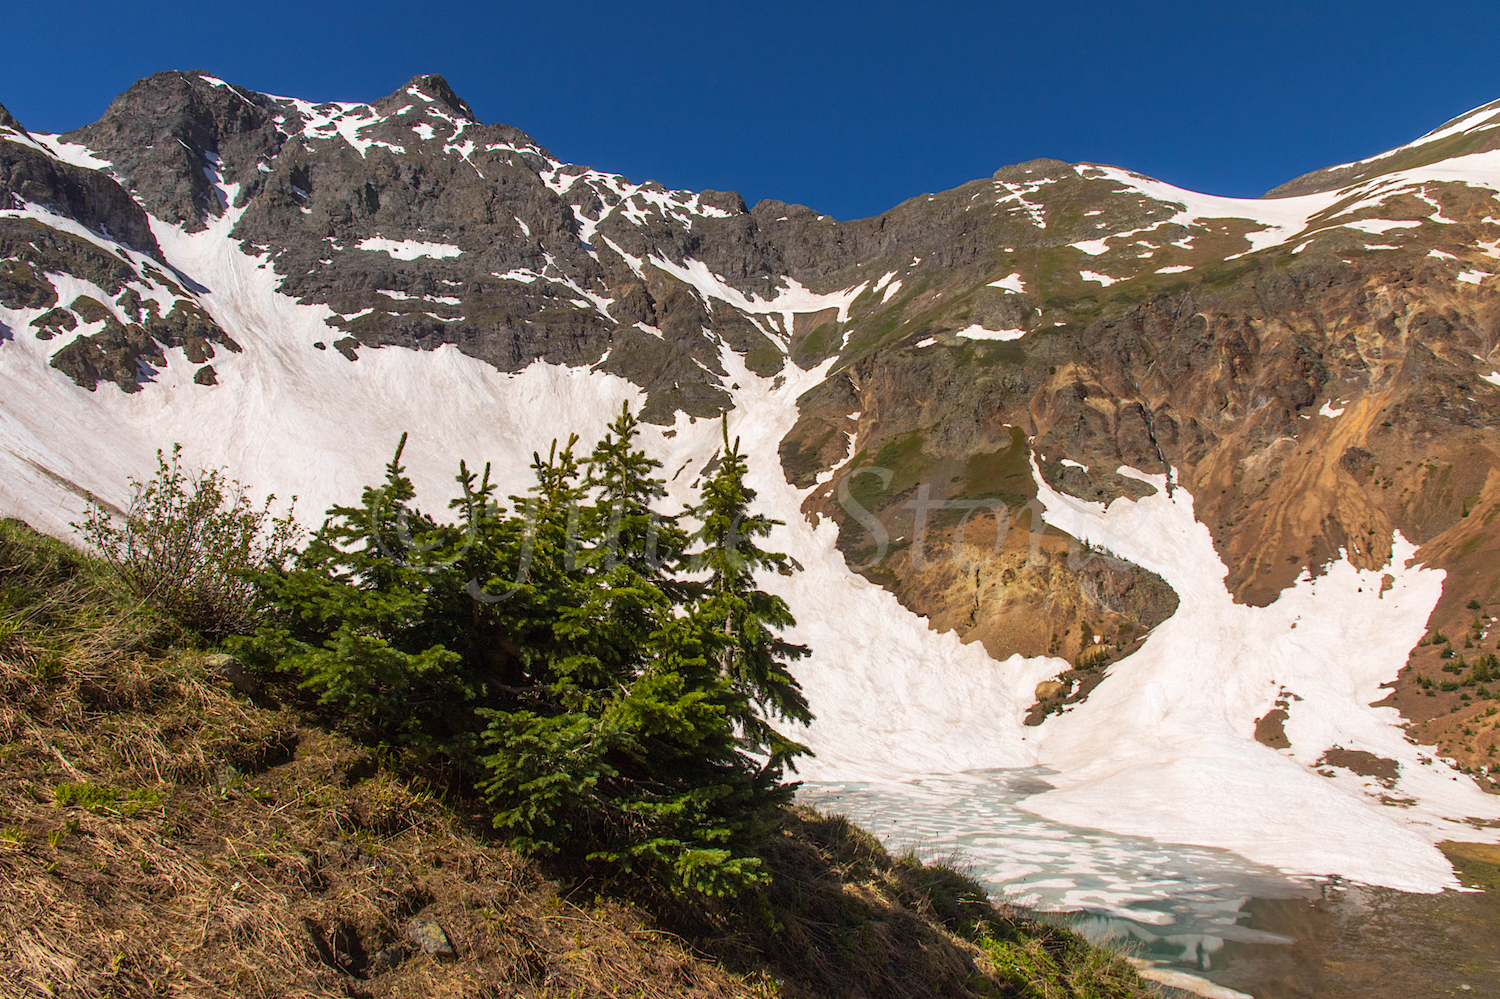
191, 543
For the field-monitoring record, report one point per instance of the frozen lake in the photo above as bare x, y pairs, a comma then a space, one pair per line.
1169, 903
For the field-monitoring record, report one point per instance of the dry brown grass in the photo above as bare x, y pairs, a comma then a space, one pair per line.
274, 861
204, 846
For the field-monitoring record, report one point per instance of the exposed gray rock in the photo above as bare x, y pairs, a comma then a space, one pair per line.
232, 671
165, 138
430, 938
90, 197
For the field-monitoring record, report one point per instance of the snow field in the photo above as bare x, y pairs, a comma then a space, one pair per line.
977, 332
1168, 750
409, 249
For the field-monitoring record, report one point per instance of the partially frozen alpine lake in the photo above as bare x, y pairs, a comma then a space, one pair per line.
1170, 903
1201, 920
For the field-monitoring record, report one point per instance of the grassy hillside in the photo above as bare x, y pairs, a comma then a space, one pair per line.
164, 833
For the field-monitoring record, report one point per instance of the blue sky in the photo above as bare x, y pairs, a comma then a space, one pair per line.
847, 107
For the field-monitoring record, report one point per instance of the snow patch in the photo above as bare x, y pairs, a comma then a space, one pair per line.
402, 296
977, 332
72, 153
788, 302
409, 249
1093, 247
1379, 227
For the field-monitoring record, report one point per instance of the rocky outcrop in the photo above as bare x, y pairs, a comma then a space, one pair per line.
170, 135
30, 176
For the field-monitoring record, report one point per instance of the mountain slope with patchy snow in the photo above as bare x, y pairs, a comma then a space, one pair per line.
1157, 489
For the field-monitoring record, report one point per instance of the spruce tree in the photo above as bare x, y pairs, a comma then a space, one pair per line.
626, 524
625, 753
362, 624
616, 704
753, 655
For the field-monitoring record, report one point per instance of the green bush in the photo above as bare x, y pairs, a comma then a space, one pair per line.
190, 544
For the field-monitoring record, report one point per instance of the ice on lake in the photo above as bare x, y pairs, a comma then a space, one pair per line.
1166, 902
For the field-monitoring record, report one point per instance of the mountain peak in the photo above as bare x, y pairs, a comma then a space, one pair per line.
432, 88
1033, 170
167, 131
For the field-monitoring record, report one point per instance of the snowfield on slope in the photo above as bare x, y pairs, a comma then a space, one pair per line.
1169, 751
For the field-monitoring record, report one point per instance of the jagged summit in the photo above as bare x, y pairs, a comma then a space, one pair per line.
166, 134
431, 86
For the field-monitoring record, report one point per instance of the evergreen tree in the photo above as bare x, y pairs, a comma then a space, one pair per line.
627, 752
361, 623
617, 708
753, 656
626, 524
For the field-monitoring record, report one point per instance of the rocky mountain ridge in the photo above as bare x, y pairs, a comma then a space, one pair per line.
1317, 366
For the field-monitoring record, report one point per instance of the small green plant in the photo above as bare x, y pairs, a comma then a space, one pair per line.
12, 836
101, 798
137, 801
191, 544
1473, 605
93, 797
